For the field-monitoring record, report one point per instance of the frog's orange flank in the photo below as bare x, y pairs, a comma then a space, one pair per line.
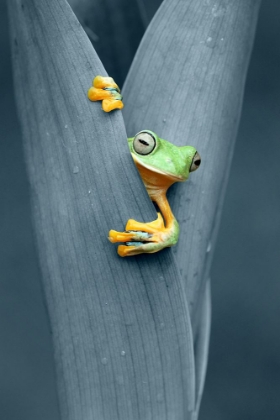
106, 90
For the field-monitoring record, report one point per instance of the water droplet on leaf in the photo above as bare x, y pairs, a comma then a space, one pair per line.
218, 10
210, 42
222, 45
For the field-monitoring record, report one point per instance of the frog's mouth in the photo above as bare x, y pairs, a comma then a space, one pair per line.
153, 170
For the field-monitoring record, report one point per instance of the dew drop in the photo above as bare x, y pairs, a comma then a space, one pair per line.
122, 353
66, 126
209, 247
75, 169
218, 11
89, 191
210, 42
222, 45
104, 361
164, 120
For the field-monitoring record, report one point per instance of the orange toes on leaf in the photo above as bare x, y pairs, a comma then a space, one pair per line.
109, 104
106, 90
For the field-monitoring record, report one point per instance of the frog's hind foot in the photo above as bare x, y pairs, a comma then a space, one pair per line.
142, 238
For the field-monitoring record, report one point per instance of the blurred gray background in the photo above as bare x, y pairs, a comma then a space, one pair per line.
243, 380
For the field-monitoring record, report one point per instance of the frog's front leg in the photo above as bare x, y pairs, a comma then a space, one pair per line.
106, 90
145, 237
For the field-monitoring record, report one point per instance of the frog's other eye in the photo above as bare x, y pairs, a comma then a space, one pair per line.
195, 162
144, 143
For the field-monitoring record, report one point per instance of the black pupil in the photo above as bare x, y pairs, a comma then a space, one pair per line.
143, 142
197, 162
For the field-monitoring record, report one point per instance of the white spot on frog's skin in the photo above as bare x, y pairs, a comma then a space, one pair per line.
209, 247
123, 353
75, 169
104, 361
168, 160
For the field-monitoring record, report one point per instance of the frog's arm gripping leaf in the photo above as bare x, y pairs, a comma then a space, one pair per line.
106, 90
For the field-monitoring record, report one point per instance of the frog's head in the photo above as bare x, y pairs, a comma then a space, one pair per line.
159, 156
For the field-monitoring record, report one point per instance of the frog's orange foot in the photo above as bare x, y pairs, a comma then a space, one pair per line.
142, 238
106, 90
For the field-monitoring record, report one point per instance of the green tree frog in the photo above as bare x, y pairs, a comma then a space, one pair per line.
160, 165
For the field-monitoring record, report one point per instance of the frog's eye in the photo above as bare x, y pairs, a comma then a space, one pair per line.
195, 162
144, 143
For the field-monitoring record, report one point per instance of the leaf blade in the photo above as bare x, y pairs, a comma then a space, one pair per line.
83, 182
